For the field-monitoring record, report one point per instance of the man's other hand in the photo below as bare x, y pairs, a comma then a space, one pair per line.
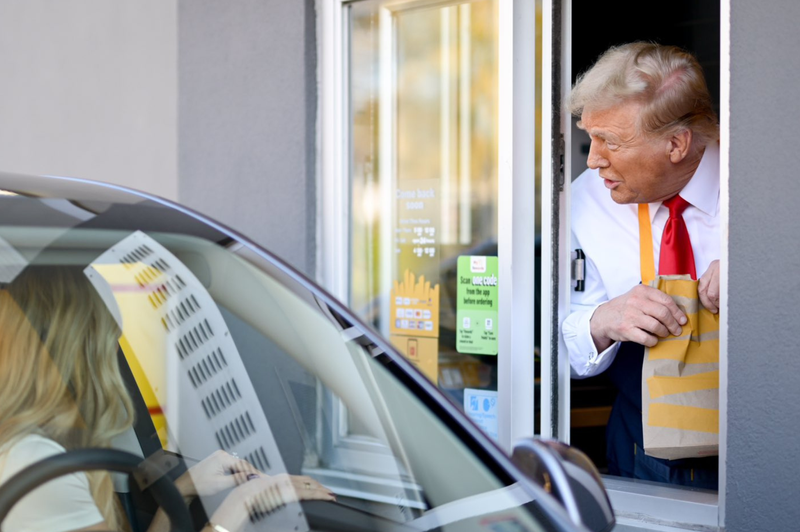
641, 315
708, 288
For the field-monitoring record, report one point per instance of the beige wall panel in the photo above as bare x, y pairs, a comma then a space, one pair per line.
89, 89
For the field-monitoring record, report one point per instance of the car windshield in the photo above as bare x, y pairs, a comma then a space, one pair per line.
220, 350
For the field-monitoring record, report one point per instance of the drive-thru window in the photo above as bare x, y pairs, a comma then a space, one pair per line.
446, 166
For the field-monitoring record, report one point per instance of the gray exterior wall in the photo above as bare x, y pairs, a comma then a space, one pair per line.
89, 90
210, 103
246, 121
764, 286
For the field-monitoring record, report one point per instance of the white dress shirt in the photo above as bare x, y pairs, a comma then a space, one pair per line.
608, 233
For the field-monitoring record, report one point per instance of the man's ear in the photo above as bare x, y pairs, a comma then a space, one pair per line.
678, 145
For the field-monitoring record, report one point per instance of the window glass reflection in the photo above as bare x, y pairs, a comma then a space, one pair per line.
423, 100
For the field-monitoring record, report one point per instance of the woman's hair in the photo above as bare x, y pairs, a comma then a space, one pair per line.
668, 82
59, 374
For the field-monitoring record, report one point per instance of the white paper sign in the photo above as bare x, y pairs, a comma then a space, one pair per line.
481, 407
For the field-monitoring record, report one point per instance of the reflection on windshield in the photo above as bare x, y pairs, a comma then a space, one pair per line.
259, 394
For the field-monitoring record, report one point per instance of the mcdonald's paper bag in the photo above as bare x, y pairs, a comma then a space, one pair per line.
680, 380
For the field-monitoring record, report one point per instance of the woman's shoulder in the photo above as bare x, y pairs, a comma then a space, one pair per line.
34, 443
64, 503
27, 450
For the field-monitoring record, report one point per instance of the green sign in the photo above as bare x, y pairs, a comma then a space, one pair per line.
476, 308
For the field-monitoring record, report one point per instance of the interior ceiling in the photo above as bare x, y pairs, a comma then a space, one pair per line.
690, 24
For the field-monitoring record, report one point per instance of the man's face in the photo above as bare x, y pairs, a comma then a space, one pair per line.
635, 167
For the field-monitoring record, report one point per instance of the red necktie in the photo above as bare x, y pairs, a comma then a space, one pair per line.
676, 256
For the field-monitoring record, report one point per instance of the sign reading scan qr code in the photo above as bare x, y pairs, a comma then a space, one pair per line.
476, 305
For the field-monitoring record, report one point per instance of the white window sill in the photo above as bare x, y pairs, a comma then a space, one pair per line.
640, 505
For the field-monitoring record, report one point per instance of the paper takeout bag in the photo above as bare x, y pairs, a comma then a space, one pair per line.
680, 380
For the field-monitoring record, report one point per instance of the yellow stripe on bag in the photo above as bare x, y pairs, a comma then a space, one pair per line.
684, 418
708, 321
706, 352
703, 352
679, 287
703, 321
672, 350
660, 386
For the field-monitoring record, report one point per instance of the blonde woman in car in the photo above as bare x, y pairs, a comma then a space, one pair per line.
61, 388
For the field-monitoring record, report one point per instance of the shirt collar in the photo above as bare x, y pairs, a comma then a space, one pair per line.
702, 191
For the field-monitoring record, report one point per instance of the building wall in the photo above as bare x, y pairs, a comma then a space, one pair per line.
764, 242
89, 90
209, 103
246, 122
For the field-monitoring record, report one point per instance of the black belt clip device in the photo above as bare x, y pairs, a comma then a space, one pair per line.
578, 270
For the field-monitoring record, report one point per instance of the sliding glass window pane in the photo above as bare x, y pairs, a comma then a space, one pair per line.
423, 104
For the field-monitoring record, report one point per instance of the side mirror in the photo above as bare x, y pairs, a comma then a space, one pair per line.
570, 477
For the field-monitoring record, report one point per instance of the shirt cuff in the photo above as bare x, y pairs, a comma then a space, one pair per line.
584, 359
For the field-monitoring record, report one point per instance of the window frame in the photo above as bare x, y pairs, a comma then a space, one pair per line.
516, 189
635, 504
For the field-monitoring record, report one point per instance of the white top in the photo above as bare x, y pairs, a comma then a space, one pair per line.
62, 504
608, 233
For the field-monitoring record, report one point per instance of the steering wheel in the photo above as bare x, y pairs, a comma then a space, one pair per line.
163, 489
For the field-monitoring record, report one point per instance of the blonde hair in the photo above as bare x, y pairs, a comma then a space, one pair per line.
666, 80
59, 374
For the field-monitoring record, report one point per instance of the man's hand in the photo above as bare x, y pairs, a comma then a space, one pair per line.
641, 315
708, 288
